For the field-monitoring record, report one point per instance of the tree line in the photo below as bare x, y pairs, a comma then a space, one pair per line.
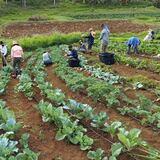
25, 3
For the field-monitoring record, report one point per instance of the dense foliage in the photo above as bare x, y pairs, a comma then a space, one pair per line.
38, 3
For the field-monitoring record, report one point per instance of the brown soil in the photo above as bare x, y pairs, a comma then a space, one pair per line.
30, 28
124, 70
131, 93
147, 133
41, 134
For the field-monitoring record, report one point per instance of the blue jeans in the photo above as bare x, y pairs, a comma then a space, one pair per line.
135, 49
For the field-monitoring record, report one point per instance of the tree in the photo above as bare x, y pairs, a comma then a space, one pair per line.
24, 3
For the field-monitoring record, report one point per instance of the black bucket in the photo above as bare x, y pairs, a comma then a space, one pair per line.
73, 62
107, 58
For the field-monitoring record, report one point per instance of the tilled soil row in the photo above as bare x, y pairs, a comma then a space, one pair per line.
30, 28
147, 133
42, 135
128, 71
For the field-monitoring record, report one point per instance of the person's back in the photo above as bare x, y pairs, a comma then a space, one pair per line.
16, 51
133, 41
105, 34
150, 36
74, 54
16, 55
46, 58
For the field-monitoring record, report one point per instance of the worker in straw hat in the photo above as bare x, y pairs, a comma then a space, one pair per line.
91, 36
16, 56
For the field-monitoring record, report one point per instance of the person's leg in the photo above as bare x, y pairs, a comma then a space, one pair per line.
3, 63
14, 65
136, 50
101, 47
128, 49
5, 60
89, 47
105, 47
18, 63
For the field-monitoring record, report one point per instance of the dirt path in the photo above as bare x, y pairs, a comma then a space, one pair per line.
147, 133
30, 28
41, 134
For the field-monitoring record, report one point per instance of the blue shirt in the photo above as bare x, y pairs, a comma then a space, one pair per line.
73, 53
133, 41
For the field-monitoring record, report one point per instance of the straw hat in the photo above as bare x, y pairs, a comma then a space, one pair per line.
14, 42
91, 29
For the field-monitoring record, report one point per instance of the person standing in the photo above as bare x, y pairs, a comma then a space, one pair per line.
104, 38
133, 42
90, 37
3, 51
16, 56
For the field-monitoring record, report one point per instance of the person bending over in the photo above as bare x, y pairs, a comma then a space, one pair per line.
46, 58
133, 42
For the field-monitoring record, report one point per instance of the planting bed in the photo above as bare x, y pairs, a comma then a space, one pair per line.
29, 28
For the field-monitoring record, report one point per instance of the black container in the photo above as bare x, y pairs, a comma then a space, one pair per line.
74, 62
107, 58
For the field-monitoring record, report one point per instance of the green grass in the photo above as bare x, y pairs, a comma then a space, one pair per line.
68, 12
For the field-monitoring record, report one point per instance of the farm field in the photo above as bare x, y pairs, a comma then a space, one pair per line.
96, 111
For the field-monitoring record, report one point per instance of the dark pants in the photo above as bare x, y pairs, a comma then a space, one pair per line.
49, 62
17, 65
4, 61
90, 46
135, 49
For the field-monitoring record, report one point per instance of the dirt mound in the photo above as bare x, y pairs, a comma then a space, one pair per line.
30, 28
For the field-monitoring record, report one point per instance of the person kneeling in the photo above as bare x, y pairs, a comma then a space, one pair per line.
47, 59
73, 60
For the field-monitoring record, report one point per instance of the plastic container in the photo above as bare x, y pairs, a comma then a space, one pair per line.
107, 58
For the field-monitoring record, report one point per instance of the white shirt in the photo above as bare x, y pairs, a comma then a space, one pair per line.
148, 37
3, 50
46, 57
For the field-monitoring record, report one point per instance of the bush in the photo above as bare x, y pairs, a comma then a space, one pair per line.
156, 3
43, 41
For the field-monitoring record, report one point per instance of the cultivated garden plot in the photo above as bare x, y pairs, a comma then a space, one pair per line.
94, 112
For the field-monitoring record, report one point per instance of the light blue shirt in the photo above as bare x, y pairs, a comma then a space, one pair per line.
104, 37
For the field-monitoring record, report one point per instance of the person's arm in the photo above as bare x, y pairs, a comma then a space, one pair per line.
12, 53
22, 53
68, 53
5, 51
101, 35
